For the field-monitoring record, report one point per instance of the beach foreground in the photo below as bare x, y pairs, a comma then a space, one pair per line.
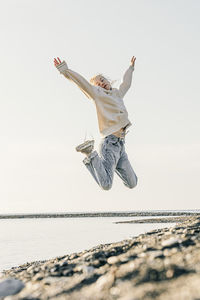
161, 264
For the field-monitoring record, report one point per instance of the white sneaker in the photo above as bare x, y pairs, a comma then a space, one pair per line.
86, 147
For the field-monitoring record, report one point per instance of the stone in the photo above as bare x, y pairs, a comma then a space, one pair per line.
10, 286
112, 260
105, 281
171, 242
156, 254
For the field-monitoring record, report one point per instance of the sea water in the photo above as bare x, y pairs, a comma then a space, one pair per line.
26, 240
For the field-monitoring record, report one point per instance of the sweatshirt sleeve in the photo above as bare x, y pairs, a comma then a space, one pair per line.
126, 82
88, 89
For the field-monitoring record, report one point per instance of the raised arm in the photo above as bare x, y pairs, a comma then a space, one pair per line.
127, 78
87, 88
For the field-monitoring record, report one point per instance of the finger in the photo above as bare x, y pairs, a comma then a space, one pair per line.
56, 62
59, 60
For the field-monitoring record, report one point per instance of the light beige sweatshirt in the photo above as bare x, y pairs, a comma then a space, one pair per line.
111, 111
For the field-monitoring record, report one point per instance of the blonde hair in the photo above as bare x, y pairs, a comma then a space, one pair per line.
96, 77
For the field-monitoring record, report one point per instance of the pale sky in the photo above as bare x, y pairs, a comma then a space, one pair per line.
43, 116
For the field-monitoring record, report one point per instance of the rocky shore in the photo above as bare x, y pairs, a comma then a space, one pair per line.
163, 264
155, 220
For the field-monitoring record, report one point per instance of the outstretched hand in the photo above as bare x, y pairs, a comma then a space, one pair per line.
61, 66
57, 61
133, 61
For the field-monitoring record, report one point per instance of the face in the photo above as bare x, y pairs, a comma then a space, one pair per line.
103, 82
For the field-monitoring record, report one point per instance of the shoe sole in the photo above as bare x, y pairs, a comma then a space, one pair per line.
85, 145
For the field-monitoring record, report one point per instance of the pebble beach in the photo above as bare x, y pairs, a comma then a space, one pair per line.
160, 264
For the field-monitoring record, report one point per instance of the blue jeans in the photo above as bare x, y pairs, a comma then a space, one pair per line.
112, 158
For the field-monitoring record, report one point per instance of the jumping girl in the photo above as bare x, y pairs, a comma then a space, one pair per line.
113, 123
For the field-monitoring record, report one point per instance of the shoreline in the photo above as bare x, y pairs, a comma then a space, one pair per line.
155, 220
162, 264
100, 214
